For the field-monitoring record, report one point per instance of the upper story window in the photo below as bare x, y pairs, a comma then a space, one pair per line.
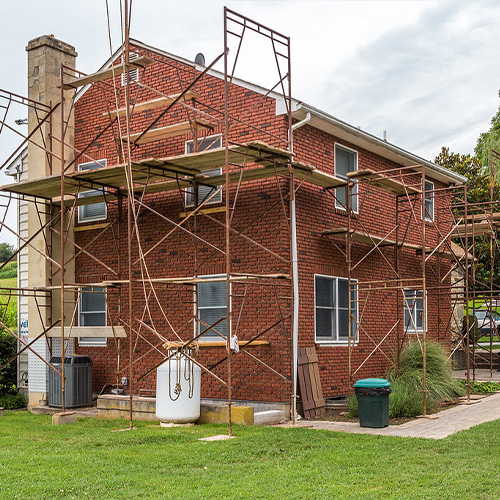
429, 201
413, 311
94, 211
204, 192
212, 306
133, 74
346, 160
92, 312
331, 298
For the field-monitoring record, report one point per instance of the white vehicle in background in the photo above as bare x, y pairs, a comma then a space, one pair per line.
488, 322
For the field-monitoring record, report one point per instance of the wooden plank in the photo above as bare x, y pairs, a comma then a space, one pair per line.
152, 104
311, 393
318, 177
319, 401
191, 280
217, 210
476, 228
305, 383
371, 239
106, 73
379, 180
156, 169
158, 134
92, 227
360, 237
88, 331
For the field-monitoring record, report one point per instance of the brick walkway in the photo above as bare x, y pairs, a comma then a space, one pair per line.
458, 418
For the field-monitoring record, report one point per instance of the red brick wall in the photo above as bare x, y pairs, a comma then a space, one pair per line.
262, 304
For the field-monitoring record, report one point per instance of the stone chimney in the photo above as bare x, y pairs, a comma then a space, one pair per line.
46, 54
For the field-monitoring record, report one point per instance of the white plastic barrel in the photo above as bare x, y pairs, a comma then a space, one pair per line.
178, 382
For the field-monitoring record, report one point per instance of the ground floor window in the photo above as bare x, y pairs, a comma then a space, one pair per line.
212, 306
332, 309
413, 311
92, 312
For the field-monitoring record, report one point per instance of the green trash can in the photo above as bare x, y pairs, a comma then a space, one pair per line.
373, 401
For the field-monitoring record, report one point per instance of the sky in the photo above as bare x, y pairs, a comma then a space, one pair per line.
424, 71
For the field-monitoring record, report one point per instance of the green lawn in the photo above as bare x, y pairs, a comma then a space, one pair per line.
11, 317
88, 460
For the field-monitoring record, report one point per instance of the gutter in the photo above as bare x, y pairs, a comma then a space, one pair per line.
405, 157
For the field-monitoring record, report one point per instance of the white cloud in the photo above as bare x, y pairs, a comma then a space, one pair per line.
430, 84
424, 70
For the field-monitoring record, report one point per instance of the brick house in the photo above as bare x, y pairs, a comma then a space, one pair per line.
379, 240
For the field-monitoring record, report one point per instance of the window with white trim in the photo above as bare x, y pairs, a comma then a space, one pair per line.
92, 312
133, 74
331, 298
204, 191
346, 160
94, 211
429, 201
212, 306
413, 311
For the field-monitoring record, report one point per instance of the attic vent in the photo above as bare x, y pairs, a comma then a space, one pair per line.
134, 73
200, 59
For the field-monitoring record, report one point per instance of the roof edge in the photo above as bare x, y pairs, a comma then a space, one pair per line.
407, 158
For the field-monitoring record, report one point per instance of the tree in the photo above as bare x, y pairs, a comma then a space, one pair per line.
488, 141
6, 251
476, 169
478, 178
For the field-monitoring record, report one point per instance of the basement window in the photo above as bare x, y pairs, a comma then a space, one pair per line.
94, 211
92, 312
346, 160
212, 306
331, 298
133, 74
204, 191
429, 201
413, 311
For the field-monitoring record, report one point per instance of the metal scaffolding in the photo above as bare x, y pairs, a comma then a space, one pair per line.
136, 293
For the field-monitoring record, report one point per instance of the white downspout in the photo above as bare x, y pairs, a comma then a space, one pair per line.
305, 121
295, 278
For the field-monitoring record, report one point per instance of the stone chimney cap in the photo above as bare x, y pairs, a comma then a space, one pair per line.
50, 41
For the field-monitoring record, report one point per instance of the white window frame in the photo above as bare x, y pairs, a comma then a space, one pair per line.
428, 215
189, 192
412, 327
354, 191
103, 163
210, 336
92, 341
133, 74
353, 298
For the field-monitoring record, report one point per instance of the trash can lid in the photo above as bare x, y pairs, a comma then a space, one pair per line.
372, 382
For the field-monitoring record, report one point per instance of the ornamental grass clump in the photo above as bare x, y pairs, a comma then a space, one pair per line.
406, 399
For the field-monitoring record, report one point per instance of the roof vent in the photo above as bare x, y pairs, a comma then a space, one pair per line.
200, 59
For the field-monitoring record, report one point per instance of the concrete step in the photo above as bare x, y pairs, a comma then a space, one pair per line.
269, 417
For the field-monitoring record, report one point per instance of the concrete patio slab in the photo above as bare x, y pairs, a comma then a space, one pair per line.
458, 418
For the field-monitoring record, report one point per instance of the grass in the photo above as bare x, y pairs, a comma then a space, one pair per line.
481, 304
88, 460
9, 271
11, 316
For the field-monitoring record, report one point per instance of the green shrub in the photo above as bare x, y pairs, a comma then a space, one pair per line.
13, 401
8, 375
9, 271
406, 399
482, 387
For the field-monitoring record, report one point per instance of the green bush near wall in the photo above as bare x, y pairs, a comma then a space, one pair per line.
406, 398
